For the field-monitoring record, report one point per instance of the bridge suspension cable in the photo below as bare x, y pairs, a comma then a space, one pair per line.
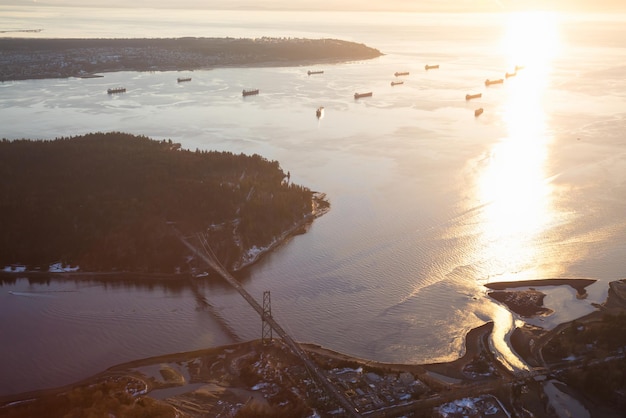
209, 257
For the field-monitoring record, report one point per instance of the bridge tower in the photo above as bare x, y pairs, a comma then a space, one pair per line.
266, 328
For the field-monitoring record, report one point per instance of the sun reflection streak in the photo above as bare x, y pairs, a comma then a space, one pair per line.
513, 187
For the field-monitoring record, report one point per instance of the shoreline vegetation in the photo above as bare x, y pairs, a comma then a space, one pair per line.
26, 58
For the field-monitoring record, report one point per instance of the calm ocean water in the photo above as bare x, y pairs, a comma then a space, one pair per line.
428, 201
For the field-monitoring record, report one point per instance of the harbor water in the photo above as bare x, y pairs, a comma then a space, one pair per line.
428, 201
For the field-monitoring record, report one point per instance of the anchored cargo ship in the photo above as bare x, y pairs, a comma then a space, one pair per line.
399, 73
478, 112
116, 90
490, 82
249, 92
315, 72
183, 79
431, 67
395, 83
473, 96
359, 95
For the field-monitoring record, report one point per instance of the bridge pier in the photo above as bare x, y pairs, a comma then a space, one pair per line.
266, 327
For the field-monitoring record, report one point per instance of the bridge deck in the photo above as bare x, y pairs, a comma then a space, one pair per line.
209, 258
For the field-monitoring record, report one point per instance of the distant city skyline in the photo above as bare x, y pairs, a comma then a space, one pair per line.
350, 5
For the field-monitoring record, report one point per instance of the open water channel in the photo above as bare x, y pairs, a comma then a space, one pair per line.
428, 202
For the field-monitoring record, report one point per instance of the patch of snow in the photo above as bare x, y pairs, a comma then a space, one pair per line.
347, 370
16, 268
17, 402
563, 404
59, 268
481, 406
253, 253
259, 386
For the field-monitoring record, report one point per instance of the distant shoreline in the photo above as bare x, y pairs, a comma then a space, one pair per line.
28, 59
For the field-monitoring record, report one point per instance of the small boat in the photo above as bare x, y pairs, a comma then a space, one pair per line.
519, 67
478, 112
319, 112
490, 82
395, 83
315, 72
183, 79
508, 75
431, 67
399, 73
473, 96
116, 90
359, 95
249, 92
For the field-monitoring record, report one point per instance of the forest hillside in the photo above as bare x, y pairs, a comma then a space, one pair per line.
109, 201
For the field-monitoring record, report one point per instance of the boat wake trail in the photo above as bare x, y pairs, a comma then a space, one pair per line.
32, 294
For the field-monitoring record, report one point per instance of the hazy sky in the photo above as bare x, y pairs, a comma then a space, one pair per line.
396, 5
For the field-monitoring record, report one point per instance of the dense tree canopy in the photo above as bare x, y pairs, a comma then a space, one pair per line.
107, 201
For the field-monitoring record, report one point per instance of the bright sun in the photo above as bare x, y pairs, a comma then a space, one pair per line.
532, 38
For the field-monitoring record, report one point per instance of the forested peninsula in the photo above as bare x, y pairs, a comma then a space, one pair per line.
25, 58
109, 202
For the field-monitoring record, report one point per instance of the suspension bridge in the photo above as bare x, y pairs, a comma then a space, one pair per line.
206, 254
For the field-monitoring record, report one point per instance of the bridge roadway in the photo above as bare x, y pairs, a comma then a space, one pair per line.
207, 256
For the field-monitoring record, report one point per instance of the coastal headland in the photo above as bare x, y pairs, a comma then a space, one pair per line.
114, 199
24, 59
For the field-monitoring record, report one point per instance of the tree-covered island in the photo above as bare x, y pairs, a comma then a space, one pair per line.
23, 58
109, 201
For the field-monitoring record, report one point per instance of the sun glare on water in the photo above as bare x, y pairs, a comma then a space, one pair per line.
513, 184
